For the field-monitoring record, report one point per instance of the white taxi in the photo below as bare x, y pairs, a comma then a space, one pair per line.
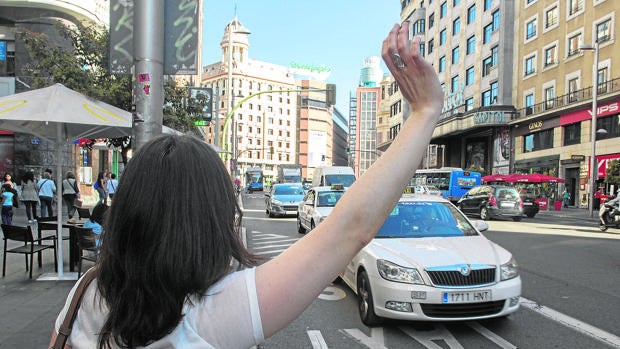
317, 205
430, 263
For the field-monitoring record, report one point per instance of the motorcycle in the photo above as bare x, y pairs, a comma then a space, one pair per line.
609, 216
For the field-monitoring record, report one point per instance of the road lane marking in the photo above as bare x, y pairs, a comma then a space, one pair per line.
331, 293
428, 338
270, 242
493, 337
270, 252
317, 340
572, 323
375, 341
271, 246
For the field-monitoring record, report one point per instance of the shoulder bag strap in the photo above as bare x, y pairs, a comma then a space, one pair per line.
65, 329
75, 189
42, 185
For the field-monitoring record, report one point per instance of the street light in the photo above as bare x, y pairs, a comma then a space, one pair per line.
593, 166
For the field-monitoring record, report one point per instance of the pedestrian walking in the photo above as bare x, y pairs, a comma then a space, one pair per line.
163, 278
100, 188
112, 185
47, 189
30, 196
70, 192
597, 199
9, 199
8, 179
566, 197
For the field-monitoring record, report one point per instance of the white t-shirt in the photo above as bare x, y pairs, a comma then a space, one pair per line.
228, 317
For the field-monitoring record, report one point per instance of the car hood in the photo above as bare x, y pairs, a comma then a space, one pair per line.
288, 198
324, 211
428, 252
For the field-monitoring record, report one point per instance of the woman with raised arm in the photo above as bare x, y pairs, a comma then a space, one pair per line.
163, 279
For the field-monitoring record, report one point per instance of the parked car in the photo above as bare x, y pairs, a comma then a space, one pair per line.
317, 205
530, 206
492, 201
283, 199
429, 262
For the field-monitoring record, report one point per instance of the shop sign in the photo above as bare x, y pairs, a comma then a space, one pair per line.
578, 157
490, 117
535, 125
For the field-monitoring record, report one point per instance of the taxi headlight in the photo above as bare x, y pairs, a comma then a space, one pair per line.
396, 273
509, 270
276, 202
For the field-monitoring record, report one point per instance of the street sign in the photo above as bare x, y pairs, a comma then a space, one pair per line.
201, 123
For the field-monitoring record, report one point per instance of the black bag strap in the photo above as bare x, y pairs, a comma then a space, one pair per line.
65, 329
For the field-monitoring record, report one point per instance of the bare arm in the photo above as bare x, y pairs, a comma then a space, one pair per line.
287, 284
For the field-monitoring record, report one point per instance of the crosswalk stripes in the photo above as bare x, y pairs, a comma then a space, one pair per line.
269, 244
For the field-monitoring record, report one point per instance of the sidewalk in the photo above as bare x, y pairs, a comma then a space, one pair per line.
576, 213
29, 307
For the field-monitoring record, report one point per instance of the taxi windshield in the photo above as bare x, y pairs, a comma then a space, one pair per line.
289, 190
329, 198
420, 219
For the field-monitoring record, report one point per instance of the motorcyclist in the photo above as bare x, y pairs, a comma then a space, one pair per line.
608, 205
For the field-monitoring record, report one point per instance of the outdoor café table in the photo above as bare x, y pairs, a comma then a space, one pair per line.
74, 253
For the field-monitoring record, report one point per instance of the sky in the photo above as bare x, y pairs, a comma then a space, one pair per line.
338, 34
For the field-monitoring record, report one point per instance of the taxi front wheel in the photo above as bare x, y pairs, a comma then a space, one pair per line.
366, 305
300, 228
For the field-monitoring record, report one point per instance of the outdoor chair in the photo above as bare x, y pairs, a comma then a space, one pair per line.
30, 245
88, 246
42, 228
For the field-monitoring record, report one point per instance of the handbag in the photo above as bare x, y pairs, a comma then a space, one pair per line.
65, 329
78, 203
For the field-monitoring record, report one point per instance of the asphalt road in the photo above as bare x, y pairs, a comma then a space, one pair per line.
570, 293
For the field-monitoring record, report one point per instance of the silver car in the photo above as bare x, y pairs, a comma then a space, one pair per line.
283, 199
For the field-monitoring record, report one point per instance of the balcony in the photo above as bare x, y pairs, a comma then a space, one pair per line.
574, 97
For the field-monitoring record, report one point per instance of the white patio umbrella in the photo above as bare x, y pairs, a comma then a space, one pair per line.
61, 114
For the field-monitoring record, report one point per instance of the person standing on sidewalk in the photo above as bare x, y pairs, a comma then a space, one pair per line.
112, 185
30, 196
100, 188
566, 197
8, 197
47, 188
70, 192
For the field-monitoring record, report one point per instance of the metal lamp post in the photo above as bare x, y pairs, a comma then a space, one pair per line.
593, 165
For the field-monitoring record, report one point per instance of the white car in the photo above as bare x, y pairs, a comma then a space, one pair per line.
430, 263
317, 205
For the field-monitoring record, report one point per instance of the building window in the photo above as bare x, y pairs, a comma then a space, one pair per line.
601, 79
455, 55
530, 29
431, 46
442, 37
456, 26
496, 20
573, 44
573, 86
538, 141
530, 65
454, 86
529, 104
469, 76
574, 6
549, 97
469, 104
455, 2
551, 17
550, 55
610, 124
487, 64
488, 4
471, 44
431, 20
471, 14
442, 64
603, 31
443, 9
488, 30
489, 97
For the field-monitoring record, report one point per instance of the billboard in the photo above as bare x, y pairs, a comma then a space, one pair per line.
317, 148
181, 31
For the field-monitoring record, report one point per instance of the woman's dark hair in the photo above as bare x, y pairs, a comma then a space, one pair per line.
98, 213
172, 232
28, 176
100, 179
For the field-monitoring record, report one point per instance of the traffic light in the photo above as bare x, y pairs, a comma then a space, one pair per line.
348, 151
330, 96
323, 157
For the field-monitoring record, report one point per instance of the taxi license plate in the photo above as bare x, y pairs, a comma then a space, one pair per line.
467, 296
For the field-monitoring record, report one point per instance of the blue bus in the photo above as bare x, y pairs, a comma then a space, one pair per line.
453, 182
253, 180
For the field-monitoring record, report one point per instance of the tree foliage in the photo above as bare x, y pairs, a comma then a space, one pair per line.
80, 61
613, 172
